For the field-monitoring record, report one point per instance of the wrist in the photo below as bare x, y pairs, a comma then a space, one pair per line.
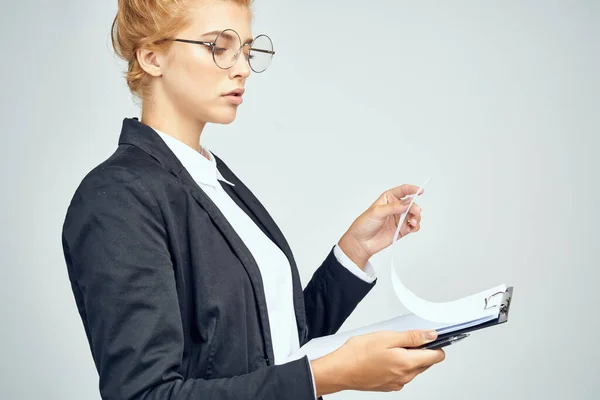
329, 375
354, 251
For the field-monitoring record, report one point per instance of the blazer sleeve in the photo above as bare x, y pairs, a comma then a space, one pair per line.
116, 249
331, 295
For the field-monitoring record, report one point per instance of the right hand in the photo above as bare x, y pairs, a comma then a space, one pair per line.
380, 361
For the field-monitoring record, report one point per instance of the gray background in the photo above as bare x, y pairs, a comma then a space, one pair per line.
497, 101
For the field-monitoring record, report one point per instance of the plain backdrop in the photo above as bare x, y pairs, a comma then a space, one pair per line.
497, 101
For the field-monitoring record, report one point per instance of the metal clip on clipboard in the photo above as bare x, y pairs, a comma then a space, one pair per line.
504, 304
454, 336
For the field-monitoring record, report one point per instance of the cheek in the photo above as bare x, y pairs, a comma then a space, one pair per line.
200, 68
194, 76
194, 84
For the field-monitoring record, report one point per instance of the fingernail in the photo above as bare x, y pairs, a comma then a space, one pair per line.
430, 335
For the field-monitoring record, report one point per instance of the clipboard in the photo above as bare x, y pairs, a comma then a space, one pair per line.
319, 347
504, 305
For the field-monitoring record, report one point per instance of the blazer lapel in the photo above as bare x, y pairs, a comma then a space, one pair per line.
242, 204
137, 134
241, 193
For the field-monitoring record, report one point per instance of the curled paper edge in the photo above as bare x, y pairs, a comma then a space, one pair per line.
465, 309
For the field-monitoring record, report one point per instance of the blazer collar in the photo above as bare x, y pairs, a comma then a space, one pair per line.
202, 169
137, 134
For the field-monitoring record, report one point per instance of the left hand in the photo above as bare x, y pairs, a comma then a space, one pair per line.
374, 229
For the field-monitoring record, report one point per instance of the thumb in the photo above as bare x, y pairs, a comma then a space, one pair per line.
385, 210
412, 338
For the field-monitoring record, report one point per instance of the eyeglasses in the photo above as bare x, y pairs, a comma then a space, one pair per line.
227, 47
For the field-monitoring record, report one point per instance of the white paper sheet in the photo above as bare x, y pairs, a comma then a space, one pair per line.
468, 308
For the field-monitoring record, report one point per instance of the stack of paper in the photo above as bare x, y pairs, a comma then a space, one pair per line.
443, 317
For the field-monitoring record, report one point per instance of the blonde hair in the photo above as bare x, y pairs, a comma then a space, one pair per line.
144, 24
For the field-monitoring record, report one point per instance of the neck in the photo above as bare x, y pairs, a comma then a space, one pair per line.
165, 117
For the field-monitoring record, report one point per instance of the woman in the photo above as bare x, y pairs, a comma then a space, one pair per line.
185, 285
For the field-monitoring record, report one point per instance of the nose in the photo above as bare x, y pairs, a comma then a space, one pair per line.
241, 68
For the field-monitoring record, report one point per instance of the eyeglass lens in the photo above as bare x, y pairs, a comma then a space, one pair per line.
228, 44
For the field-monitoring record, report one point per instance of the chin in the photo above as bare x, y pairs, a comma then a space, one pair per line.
224, 117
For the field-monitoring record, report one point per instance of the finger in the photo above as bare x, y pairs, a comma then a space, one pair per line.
416, 228
413, 217
385, 210
411, 221
406, 229
407, 339
412, 229
410, 225
414, 223
405, 190
426, 358
415, 210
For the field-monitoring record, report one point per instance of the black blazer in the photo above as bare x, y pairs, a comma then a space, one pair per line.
171, 299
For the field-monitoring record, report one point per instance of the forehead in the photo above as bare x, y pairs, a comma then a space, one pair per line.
217, 15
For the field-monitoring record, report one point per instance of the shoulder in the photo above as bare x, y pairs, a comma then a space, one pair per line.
124, 184
128, 168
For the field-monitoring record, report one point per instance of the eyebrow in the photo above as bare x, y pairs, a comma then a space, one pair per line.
214, 33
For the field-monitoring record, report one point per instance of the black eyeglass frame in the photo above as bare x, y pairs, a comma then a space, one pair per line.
213, 44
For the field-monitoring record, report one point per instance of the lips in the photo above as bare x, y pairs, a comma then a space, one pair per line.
235, 92
235, 96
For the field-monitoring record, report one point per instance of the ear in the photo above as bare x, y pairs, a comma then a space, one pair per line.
150, 62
